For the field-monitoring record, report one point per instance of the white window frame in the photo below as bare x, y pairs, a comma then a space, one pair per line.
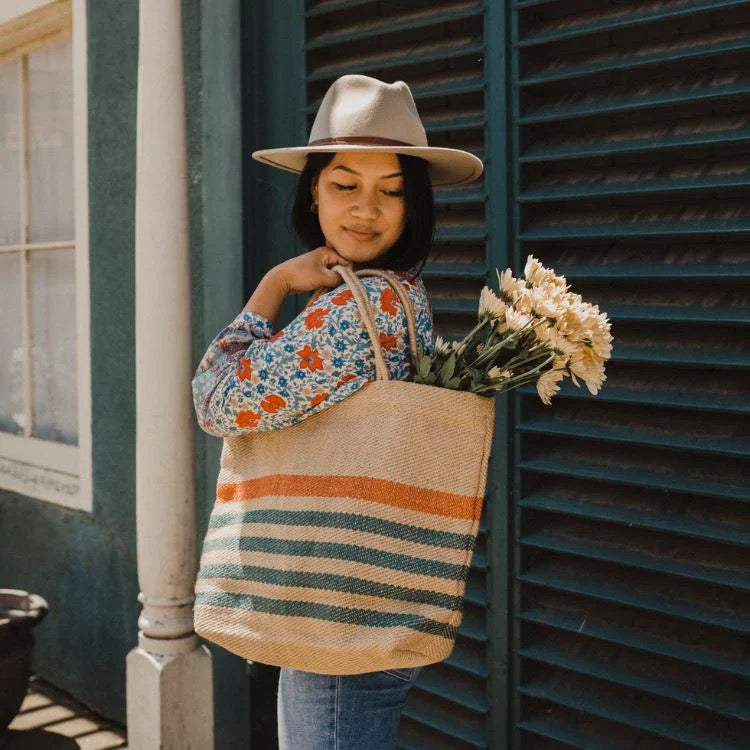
60, 474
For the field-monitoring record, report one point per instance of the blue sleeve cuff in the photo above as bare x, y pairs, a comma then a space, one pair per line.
253, 323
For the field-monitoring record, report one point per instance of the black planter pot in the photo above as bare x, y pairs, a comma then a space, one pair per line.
19, 612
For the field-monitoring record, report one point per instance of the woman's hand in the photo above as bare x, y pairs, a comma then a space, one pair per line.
311, 270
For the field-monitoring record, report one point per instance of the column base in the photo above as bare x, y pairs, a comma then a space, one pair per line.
170, 699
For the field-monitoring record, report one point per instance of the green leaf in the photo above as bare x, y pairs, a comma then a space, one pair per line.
430, 379
424, 365
446, 371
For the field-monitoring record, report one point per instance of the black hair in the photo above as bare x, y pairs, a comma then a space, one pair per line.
411, 248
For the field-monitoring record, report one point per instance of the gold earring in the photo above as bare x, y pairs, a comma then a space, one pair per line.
314, 207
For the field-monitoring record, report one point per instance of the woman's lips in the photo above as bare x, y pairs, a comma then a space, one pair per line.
362, 236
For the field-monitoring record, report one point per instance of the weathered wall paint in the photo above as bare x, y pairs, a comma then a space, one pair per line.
84, 564
212, 42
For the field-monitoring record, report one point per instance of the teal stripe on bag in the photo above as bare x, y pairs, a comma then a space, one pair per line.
347, 615
337, 520
330, 582
352, 552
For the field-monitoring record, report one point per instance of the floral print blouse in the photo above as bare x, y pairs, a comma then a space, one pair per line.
253, 379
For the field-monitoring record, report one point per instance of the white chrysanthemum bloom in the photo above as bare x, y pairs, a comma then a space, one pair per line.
490, 305
535, 273
522, 302
496, 372
516, 320
589, 367
549, 384
570, 324
560, 344
506, 283
560, 362
601, 337
442, 346
542, 332
546, 300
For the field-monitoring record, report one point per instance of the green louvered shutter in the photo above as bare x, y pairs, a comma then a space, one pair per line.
436, 46
631, 144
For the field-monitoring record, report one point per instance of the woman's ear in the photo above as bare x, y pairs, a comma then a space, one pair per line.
314, 188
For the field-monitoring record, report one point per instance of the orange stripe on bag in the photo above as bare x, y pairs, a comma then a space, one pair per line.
365, 488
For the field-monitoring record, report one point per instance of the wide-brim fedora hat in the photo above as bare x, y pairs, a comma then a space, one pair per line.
359, 113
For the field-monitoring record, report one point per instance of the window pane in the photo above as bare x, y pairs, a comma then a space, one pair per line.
51, 143
53, 353
10, 218
11, 352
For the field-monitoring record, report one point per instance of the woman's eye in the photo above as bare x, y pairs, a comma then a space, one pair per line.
343, 187
394, 193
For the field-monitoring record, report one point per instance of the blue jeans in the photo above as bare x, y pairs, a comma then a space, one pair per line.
342, 712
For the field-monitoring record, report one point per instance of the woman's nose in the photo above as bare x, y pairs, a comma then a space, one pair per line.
366, 206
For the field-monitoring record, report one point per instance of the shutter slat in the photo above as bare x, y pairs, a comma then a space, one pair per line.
468, 658
708, 271
634, 230
638, 716
453, 685
666, 397
619, 21
464, 122
553, 655
471, 628
387, 61
561, 732
331, 6
465, 306
474, 233
411, 22
626, 104
577, 149
635, 639
646, 598
453, 270
594, 550
728, 445
676, 481
672, 523
453, 721
717, 358
709, 50
444, 196
448, 86
642, 188
703, 316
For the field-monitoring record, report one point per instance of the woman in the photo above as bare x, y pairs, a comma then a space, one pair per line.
364, 200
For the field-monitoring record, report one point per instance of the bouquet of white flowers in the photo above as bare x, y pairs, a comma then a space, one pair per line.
535, 331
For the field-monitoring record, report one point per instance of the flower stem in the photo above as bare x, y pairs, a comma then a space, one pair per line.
517, 380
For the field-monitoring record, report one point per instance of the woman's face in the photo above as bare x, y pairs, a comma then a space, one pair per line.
360, 198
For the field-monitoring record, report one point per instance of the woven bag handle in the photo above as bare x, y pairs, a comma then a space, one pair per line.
365, 311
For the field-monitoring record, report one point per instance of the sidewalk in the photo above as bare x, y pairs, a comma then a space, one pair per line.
51, 720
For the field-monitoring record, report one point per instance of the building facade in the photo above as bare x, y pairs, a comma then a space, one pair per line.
607, 604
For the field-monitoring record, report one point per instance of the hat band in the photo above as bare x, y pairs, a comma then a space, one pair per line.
362, 140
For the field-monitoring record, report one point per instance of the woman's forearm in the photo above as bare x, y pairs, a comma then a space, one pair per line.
268, 296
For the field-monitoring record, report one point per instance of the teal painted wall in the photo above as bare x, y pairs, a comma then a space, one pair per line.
84, 564
212, 42
273, 52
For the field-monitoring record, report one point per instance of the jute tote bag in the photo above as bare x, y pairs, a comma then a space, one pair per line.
342, 544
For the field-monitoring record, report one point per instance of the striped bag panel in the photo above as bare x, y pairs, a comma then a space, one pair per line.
342, 544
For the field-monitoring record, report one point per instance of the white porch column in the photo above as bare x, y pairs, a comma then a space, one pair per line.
169, 678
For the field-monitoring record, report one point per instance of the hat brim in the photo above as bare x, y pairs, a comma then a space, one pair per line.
447, 166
